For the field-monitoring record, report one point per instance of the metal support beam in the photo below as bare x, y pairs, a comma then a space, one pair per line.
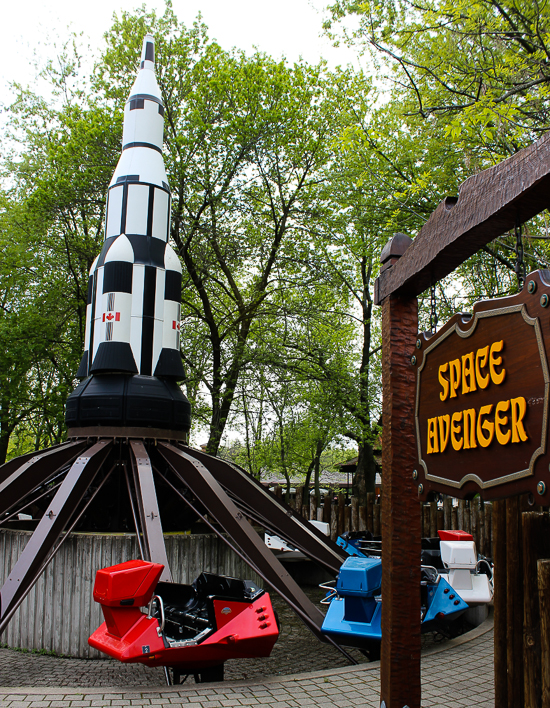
264, 507
59, 513
220, 507
148, 508
34, 470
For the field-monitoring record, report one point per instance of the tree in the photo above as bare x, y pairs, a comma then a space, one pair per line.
57, 165
481, 66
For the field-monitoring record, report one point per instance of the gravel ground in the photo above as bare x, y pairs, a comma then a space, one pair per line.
297, 650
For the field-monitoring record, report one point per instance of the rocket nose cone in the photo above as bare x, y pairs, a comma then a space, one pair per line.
148, 52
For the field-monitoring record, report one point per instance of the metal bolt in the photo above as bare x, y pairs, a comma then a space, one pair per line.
415, 474
544, 300
413, 360
420, 488
418, 343
541, 488
531, 286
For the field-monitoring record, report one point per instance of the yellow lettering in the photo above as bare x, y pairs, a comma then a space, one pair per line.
432, 436
481, 361
519, 407
468, 373
443, 381
454, 372
444, 430
486, 425
470, 429
502, 407
496, 378
456, 430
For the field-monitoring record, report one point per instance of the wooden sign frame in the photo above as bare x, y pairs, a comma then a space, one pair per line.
467, 445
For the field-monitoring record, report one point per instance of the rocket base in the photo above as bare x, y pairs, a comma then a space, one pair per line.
128, 401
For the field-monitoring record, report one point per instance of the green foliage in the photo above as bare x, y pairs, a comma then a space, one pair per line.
481, 66
56, 169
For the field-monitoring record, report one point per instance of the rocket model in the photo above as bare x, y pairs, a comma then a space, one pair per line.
132, 360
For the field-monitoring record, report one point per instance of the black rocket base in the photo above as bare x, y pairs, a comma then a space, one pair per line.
128, 419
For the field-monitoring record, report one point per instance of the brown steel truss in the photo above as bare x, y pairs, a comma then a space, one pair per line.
223, 495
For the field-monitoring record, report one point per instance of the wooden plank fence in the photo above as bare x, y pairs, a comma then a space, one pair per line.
473, 516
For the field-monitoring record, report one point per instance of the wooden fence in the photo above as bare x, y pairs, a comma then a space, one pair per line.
474, 516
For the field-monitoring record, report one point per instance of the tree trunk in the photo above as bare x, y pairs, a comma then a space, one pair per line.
365, 473
4, 442
5, 434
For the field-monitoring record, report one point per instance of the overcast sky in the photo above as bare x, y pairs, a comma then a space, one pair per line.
289, 28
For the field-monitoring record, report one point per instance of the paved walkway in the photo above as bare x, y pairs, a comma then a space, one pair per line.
457, 674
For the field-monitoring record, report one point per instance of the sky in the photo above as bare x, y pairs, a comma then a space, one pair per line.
290, 28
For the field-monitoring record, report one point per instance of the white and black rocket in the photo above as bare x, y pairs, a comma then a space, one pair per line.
134, 289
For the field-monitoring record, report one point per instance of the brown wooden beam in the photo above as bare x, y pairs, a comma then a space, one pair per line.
544, 591
400, 661
489, 204
514, 602
499, 601
536, 546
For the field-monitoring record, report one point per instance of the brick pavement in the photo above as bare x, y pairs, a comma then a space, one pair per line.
457, 674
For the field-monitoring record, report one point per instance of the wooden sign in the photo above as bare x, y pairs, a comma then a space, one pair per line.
482, 390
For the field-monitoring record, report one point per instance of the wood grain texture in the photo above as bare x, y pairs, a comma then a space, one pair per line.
488, 204
536, 546
499, 601
400, 664
514, 602
544, 592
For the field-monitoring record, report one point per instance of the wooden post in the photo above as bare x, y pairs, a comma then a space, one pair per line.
370, 506
327, 508
334, 521
400, 662
376, 525
461, 507
481, 527
499, 600
536, 545
447, 513
354, 514
313, 506
474, 508
544, 594
299, 498
433, 519
489, 530
514, 603
341, 524
347, 518
363, 526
